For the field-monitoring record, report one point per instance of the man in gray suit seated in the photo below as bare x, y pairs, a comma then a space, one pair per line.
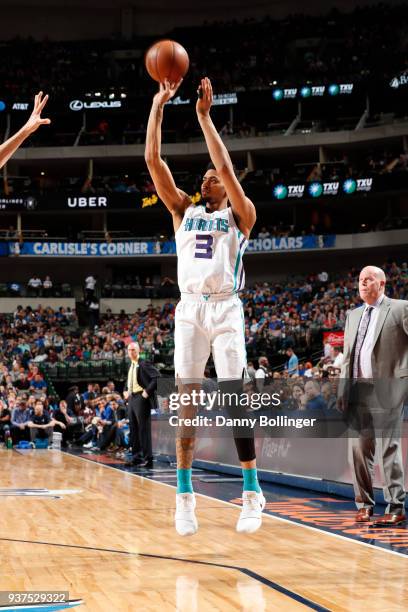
372, 392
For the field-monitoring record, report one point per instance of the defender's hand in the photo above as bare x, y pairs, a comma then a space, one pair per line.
205, 97
166, 91
35, 119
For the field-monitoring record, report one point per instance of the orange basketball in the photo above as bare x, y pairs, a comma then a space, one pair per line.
166, 59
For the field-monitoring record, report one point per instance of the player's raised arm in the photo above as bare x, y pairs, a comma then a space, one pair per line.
175, 199
11, 145
243, 208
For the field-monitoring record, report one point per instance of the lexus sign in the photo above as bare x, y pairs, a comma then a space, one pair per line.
78, 105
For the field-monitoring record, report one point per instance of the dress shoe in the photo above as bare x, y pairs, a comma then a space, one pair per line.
364, 515
148, 464
134, 462
390, 519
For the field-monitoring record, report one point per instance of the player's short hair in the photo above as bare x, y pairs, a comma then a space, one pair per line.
211, 166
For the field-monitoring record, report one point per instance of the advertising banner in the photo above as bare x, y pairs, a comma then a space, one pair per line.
335, 338
291, 243
134, 248
90, 249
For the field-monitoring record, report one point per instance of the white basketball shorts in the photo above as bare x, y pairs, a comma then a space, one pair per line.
207, 324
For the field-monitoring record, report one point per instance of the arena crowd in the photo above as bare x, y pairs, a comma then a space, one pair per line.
284, 319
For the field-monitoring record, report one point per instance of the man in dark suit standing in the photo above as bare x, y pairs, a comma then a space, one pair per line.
139, 391
372, 392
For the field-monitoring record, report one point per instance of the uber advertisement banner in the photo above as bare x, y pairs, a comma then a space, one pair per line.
111, 201
281, 192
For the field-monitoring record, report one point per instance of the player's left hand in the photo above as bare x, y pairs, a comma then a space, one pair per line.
35, 119
167, 91
205, 97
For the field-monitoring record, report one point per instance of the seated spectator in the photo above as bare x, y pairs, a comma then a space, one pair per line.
58, 343
308, 370
101, 425
262, 373
73, 399
264, 233
40, 423
88, 395
295, 401
113, 431
22, 383
35, 285
19, 419
315, 400
337, 358
47, 286
15, 372
111, 388
323, 277
38, 384
33, 371
5, 419
70, 315
330, 321
251, 370
329, 396
62, 416
122, 425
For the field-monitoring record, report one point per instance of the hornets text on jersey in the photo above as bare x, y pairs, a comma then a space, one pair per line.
210, 248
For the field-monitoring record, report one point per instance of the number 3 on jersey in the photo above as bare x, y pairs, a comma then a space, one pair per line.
204, 243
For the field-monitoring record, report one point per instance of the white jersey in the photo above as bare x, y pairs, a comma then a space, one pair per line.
210, 248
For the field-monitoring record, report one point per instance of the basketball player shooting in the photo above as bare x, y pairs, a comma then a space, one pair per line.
10, 146
209, 317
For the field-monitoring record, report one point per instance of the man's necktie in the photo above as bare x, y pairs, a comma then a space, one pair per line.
362, 332
133, 376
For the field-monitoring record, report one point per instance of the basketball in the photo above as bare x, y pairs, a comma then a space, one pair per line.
167, 59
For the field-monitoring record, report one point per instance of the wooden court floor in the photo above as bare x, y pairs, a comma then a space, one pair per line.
113, 545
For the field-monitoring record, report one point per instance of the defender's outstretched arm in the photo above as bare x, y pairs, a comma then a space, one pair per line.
10, 146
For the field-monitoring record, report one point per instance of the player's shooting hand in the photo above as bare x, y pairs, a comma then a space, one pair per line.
35, 119
205, 97
167, 91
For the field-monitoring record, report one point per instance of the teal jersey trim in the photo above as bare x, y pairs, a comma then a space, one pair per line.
236, 270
